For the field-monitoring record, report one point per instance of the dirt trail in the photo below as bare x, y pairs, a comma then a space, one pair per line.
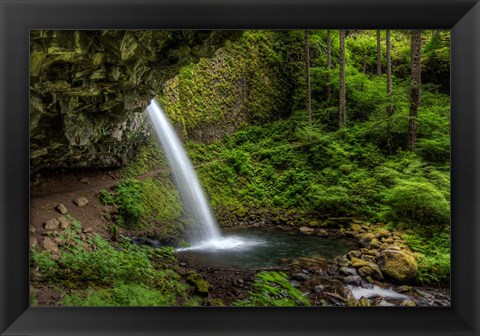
94, 182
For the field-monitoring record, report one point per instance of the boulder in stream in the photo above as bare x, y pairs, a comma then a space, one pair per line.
397, 265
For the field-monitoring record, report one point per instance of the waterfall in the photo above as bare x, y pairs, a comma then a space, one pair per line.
205, 231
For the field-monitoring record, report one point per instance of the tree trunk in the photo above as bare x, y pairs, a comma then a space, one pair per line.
379, 55
329, 64
307, 75
389, 93
342, 111
415, 92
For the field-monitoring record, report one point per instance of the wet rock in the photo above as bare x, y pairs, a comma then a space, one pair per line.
300, 276
366, 239
376, 271
353, 280
64, 223
385, 303
355, 227
81, 201
344, 262
381, 233
354, 253
322, 233
369, 258
407, 303
61, 209
352, 302
306, 230
295, 284
388, 240
425, 294
365, 271
375, 243
51, 224
49, 245
397, 265
348, 271
364, 302
404, 289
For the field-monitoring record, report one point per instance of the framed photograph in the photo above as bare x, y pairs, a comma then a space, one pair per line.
239, 168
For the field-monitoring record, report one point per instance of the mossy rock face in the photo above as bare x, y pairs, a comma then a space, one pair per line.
89, 90
397, 265
244, 83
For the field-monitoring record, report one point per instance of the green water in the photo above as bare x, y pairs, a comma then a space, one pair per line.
266, 247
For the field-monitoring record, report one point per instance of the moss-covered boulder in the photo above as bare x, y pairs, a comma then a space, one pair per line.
201, 285
397, 265
89, 89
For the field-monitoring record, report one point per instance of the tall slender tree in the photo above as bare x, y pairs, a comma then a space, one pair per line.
389, 92
307, 76
415, 92
379, 54
329, 64
342, 110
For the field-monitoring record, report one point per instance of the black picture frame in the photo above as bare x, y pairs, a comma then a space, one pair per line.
17, 17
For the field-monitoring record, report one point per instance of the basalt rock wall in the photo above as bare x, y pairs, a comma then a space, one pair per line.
89, 90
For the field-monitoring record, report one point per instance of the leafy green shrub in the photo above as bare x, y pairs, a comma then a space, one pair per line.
160, 199
106, 197
128, 198
433, 258
434, 150
273, 289
417, 202
105, 264
334, 200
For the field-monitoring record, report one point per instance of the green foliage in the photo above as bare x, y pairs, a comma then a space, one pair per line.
97, 273
105, 264
273, 289
106, 197
128, 198
129, 295
150, 157
160, 199
417, 201
433, 249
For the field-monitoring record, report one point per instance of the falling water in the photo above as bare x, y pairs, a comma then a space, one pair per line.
191, 192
